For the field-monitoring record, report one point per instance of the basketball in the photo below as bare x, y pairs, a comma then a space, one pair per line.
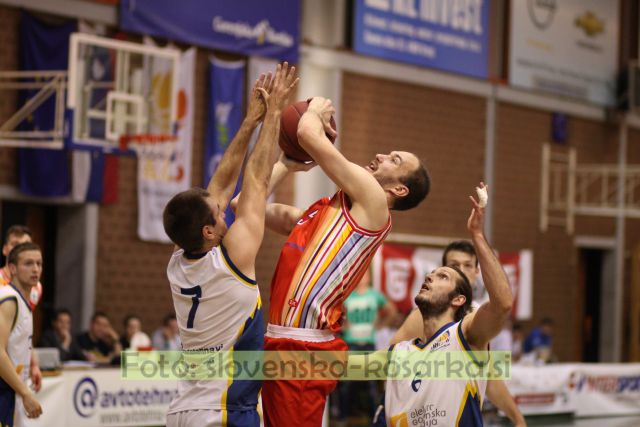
289, 131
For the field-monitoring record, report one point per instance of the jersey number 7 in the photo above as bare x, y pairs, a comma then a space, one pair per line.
196, 291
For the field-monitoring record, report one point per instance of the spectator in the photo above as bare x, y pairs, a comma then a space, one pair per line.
60, 337
517, 335
100, 343
166, 337
539, 341
362, 308
133, 337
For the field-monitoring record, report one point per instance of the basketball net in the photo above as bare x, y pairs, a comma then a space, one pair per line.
155, 151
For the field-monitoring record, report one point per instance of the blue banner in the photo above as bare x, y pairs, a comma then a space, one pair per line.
43, 46
226, 93
268, 28
449, 35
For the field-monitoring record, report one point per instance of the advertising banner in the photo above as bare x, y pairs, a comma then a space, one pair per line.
399, 270
251, 27
448, 35
567, 47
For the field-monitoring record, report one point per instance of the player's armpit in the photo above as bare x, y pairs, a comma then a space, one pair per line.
243, 241
482, 325
281, 218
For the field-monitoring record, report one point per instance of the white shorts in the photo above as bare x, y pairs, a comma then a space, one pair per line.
196, 417
213, 418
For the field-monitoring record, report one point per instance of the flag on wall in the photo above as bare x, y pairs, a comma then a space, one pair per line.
43, 47
160, 178
226, 91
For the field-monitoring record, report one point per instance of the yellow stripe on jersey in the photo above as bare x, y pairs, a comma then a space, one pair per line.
235, 271
471, 390
223, 401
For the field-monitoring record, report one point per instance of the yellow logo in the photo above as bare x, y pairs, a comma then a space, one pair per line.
590, 23
399, 420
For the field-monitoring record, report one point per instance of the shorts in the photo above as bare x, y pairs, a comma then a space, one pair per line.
213, 418
7, 407
297, 402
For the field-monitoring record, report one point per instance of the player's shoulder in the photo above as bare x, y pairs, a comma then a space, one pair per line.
7, 290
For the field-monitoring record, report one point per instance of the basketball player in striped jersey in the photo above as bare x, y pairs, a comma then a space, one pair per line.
16, 331
449, 324
212, 270
329, 248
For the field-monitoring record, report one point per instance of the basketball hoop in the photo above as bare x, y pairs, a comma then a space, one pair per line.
150, 146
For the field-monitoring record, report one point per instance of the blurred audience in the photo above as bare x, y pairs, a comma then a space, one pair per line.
538, 344
517, 335
60, 337
366, 309
100, 343
133, 337
166, 337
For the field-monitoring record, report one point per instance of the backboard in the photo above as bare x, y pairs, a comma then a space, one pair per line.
120, 91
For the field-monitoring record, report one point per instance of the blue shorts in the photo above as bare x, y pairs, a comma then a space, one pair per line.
7, 407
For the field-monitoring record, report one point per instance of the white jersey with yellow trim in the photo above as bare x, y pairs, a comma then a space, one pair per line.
217, 309
20, 339
422, 401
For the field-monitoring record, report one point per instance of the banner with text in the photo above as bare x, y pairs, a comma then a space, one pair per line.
567, 47
448, 35
251, 27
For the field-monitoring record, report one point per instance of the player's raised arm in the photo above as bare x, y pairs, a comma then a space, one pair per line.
482, 325
223, 181
361, 187
245, 235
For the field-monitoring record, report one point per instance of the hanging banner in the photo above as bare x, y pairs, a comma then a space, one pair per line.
567, 47
226, 91
251, 27
161, 177
399, 270
447, 35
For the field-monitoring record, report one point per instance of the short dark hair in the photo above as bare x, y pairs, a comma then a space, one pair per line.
128, 318
16, 230
419, 184
14, 255
61, 311
99, 314
463, 287
168, 318
547, 321
185, 215
459, 246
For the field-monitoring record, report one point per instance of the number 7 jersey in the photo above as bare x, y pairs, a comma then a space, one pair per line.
217, 309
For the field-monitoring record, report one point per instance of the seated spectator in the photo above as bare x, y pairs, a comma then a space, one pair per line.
60, 337
100, 343
516, 343
133, 337
166, 337
539, 341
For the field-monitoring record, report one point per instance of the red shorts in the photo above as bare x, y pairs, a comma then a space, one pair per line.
297, 402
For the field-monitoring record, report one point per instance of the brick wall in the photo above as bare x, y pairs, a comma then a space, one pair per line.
9, 20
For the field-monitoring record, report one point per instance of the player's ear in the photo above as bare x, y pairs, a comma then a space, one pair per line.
208, 232
459, 300
13, 269
399, 190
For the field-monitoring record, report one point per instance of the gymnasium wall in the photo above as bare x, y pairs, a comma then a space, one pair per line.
8, 61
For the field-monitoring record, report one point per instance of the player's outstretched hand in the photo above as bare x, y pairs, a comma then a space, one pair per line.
475, 223
284, 82
294, 165
257, 104
324, 108
31, 406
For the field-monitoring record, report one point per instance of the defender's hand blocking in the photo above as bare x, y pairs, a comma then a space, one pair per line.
324, 108
475, 223
257, 104
283, 84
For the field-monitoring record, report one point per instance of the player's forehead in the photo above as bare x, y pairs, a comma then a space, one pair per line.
17, 239
30, 255
459, 257
448, 271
